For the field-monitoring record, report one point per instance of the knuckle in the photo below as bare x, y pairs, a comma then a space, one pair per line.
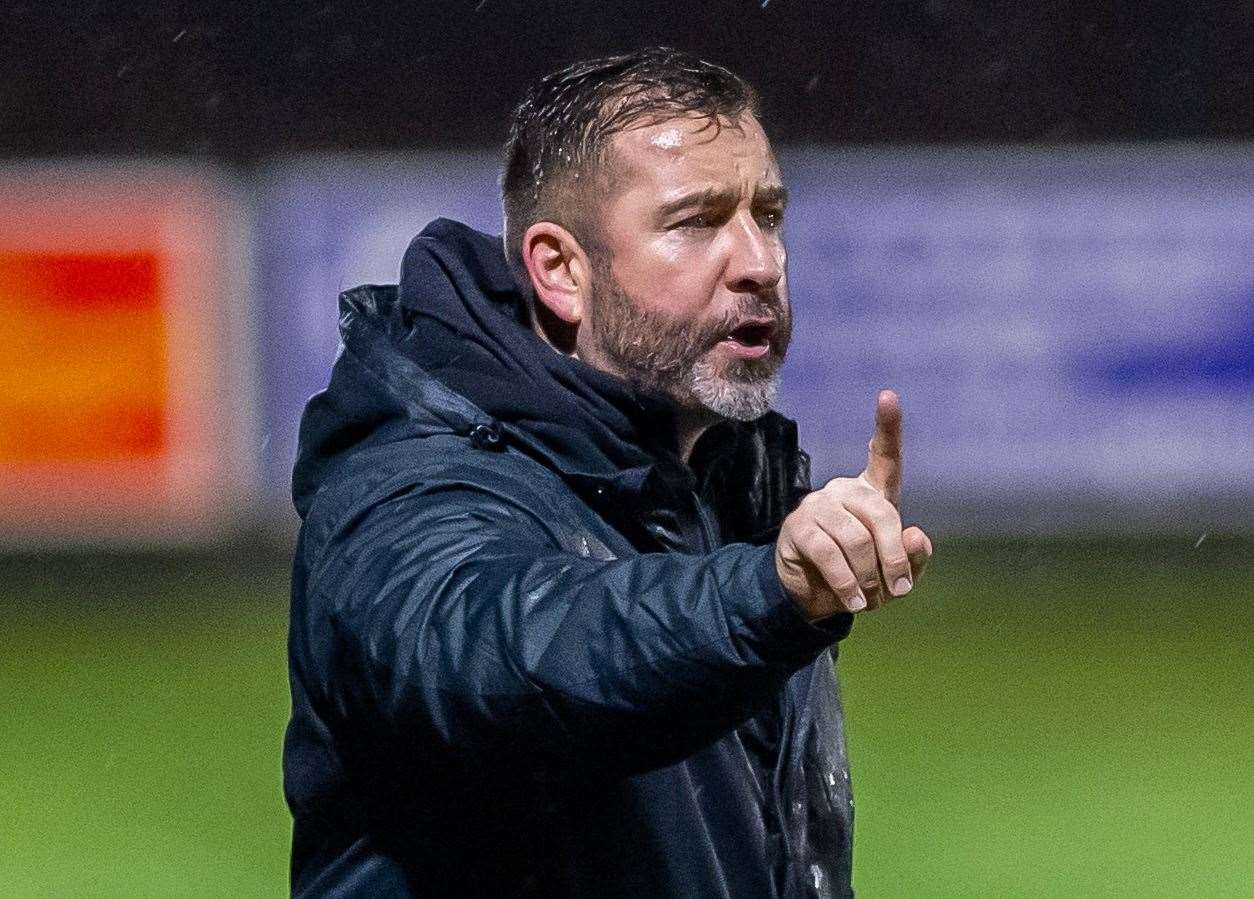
868, 578
858, 541
885, 513
816, 545
832, 559
813, 536
809, 546
846, 585
840, 486
895, 561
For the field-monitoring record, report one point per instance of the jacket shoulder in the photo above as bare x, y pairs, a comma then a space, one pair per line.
522, 488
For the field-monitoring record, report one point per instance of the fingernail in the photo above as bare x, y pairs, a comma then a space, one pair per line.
857, 602
901, 586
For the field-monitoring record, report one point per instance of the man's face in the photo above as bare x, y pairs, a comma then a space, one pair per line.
689, 296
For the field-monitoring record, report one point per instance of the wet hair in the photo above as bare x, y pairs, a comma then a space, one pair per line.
557, 160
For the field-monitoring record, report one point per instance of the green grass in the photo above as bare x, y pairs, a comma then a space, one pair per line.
142, 729
1058, 719
1066, 718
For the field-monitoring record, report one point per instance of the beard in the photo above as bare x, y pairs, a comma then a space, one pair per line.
676, 359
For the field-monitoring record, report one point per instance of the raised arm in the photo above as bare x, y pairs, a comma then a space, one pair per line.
448, 614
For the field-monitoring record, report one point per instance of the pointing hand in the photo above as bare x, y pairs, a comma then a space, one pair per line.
844, 548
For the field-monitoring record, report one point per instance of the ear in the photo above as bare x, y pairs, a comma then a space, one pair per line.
559, 270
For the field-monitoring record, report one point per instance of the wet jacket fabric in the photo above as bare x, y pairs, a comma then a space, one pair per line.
532, 653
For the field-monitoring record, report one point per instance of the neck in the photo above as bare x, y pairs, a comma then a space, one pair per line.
689, 426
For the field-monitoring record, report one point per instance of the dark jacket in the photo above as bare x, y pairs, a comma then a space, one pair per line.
532, 653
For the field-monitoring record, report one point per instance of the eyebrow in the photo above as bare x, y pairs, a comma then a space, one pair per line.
768, 195
771, 195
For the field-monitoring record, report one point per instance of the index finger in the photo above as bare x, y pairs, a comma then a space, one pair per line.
883, 463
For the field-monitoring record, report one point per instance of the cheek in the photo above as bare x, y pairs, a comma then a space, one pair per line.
781, 288
676, 280
693, 288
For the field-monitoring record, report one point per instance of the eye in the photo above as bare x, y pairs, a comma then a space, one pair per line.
700, 220
771, 219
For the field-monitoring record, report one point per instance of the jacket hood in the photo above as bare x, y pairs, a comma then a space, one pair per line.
450, 349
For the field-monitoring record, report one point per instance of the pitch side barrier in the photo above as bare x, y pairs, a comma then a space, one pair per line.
1070, 329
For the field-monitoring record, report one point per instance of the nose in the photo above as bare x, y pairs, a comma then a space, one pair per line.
756, 260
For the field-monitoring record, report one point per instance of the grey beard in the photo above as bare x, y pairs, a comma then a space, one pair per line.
737, 393
657, 355
739, 400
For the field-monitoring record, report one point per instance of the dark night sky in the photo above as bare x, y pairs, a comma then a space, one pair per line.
246, 79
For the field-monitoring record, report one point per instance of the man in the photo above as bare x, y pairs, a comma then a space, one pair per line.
562, 608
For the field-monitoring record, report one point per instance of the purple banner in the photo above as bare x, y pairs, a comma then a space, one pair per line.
1070, 329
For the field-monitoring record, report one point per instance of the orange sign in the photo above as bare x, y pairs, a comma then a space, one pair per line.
83, 369
123, 414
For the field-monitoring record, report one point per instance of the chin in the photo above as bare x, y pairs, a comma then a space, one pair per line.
737, 398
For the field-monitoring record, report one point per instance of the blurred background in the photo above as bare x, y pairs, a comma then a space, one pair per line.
1035, 222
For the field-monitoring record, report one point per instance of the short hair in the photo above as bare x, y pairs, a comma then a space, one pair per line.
559, 138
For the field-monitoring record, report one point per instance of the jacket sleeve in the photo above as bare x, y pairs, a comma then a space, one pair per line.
452, 612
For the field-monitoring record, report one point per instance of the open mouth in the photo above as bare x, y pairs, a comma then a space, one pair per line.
751, 339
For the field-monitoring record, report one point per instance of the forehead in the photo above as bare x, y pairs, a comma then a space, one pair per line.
663, 156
